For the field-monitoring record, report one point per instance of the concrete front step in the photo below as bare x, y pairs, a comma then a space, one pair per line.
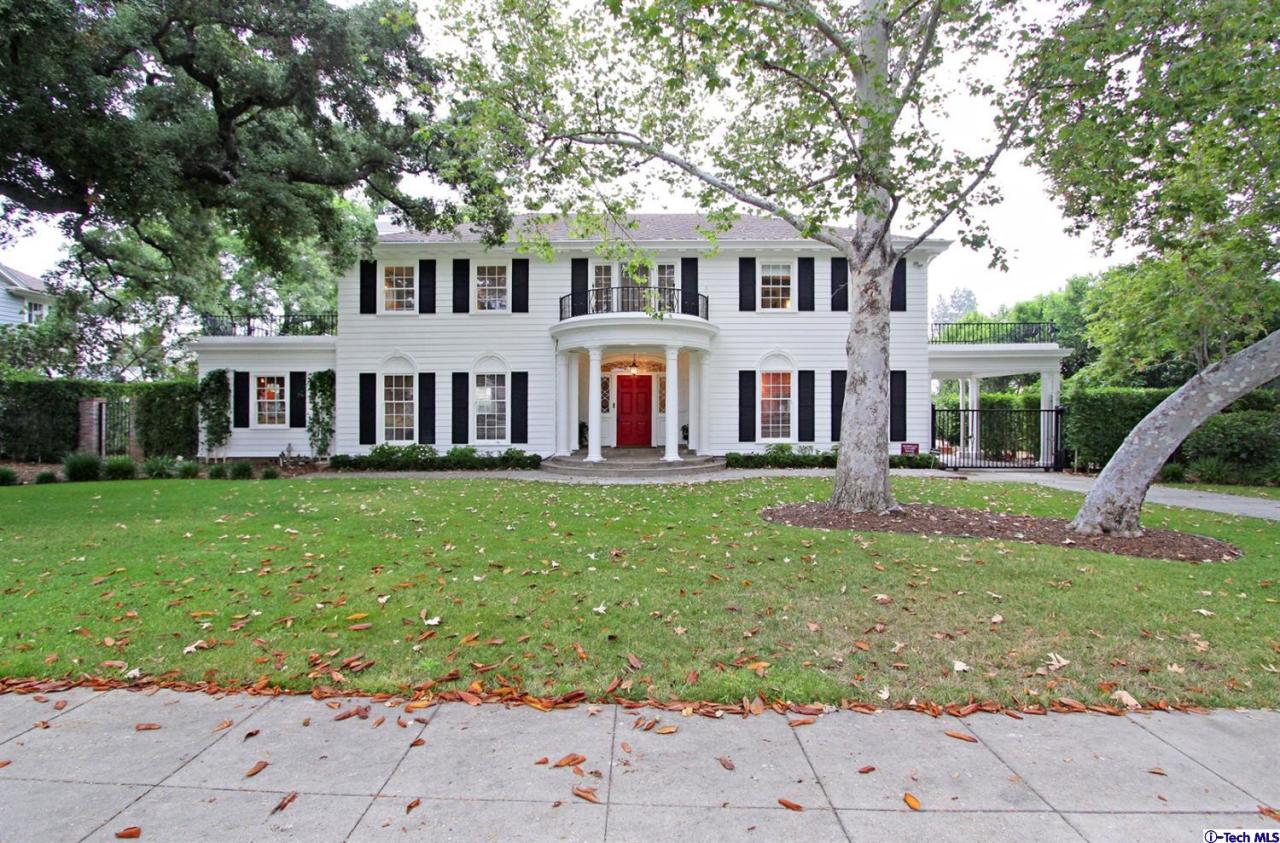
632, 467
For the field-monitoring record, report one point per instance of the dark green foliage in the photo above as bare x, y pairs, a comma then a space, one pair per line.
1173, 472
784, 456
1000, 434
1098, 419
321, 393
217, 471
166, 417
79, 467
241, 470
39, 419
426, 458
159, 468
44, 478
9, 477
215, 408
119, 468
269, 473
1212, 470
1246, 438
188, 469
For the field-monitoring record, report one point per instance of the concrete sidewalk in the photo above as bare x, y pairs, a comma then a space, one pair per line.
84, 772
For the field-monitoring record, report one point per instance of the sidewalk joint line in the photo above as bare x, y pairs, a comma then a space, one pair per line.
387, 780
56, 714
608, 786
821, 785
1194, 760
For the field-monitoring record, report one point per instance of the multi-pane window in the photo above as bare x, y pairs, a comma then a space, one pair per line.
775, 286
397, 288
397, 408
662, 393
35, 312
491, 287
491, 408
601, 281
775, 405
606, 393
667, 286
272, 408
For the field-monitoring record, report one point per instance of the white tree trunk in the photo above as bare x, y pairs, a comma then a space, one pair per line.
1114, 503
862, 467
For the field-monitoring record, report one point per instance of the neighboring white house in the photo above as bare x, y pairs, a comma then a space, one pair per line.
439, 340
24, 299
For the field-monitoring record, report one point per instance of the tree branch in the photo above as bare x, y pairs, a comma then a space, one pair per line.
843, 45
929, 24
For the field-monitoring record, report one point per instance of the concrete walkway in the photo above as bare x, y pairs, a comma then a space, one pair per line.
84, 772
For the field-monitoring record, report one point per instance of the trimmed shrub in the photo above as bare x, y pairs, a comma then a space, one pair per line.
1098, 419
159, 468
8, 477
427, 458
1211, 470
1173, 472
119, 468
217, 471
188, 469
40, 419
79, 467
241, 470
1249, 438
166, 416
44, 478
783, 455
269, 473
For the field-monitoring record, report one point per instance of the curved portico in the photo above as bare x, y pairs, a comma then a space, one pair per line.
635, 346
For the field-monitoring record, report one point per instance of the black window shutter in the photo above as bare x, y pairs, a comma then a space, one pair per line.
837, 402
368, 286
746, 285
805, 398
520, 407
426, 286
897, 406
689, 286
898, 294
578, 286
840, 284
459, 398
297, 399
426, 408
804, 271
746, 405
240, 399
461, 285
368, 408
520, 285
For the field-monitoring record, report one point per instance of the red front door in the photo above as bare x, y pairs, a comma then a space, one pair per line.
635, 402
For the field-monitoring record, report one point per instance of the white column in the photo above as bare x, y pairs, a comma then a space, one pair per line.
695, 399
572, 417
593, 405
963, 404
673, 405
975, 435
562, 403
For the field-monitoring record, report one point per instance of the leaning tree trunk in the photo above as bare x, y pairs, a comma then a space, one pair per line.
1115, 501
862, 467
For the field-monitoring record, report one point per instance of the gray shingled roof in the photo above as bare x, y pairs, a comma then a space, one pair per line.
22, 280
647, 228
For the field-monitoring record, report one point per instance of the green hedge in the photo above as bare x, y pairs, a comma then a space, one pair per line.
39, 419
785, 457
1099, 418
167, 418
427, 458
1247, 438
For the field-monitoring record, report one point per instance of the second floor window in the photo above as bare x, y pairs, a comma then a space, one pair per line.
775, 286
491, 287
271, 400
35, 312
601, 282
397, 286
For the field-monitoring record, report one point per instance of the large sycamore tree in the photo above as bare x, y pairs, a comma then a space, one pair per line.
824, 114
1159, 124
150, 131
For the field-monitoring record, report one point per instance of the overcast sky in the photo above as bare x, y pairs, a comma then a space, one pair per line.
1041, 256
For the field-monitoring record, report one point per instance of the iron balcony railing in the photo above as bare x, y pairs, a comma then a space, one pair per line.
992, 332
269, 325
633, 299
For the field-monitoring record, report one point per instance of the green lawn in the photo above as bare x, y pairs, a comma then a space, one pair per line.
287, 579
1271, 492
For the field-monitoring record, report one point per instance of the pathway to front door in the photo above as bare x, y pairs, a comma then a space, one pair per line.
635, 406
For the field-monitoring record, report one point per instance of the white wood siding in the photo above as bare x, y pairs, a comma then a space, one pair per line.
12, 308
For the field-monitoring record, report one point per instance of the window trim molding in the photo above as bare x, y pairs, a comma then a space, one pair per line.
381, 281
791, 402
381, 430
476, 263
499, 366
254, 424
793, 305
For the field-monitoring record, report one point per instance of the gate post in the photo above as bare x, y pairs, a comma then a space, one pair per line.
1059, 453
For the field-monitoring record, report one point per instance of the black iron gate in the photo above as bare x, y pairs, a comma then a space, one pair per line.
114, 423
998, 438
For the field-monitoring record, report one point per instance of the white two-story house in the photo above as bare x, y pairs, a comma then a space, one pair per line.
438, 340
24, 299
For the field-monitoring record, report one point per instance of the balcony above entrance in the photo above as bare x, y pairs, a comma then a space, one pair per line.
633, 299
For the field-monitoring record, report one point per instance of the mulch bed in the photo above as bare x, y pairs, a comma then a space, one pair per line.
918, 519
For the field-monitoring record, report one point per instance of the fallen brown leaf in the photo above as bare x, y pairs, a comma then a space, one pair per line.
912, 802
252, 733
258, 767
790, 806
225, 724
415, 803
543, 760
130, 833
573, 759
417, 742
146, 727
866, 769
5, 762
802, 721
587, 793
961, 736
1156, 771
726, 762
1269, 813
285, 801
668, 730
